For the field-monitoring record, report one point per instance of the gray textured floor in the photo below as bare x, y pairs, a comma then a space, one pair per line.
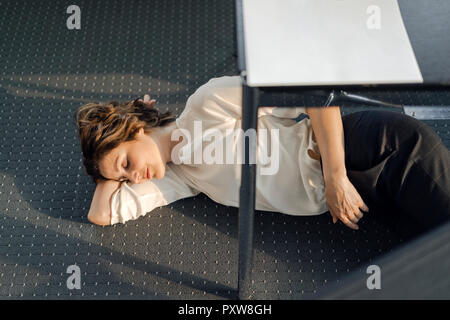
187, 250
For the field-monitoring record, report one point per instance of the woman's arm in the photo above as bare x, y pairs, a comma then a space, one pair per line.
100, 211
343, 200
329, 131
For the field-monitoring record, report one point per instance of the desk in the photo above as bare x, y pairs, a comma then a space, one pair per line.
405, 47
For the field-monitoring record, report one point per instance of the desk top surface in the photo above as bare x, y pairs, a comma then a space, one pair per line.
344, 42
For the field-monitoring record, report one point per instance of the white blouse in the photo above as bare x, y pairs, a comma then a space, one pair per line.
291, 182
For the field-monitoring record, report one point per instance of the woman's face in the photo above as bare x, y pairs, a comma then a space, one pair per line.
136, 160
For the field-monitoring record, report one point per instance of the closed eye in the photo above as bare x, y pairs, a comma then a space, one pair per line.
121, 179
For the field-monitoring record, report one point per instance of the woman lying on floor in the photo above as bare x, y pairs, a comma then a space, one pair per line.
141, 159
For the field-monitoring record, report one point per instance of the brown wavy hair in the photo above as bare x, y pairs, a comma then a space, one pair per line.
103, 126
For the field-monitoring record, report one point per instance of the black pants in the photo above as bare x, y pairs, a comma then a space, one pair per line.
401, 169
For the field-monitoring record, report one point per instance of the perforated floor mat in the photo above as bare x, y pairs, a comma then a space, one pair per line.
187, 250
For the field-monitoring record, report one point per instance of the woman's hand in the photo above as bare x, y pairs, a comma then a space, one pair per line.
147, 101
344, 201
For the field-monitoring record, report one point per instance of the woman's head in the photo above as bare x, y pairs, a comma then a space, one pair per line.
116, 140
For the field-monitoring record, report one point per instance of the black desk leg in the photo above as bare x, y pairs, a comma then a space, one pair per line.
250, 100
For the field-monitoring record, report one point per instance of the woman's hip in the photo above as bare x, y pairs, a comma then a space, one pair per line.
372, 136
381, 146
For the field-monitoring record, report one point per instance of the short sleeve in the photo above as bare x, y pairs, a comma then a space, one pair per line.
220, 99
130, 201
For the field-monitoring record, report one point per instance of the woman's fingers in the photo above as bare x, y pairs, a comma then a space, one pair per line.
349, 219
148, 101
354, 217
364, 207
335, 218
342, 217
356, 214
344, 202
349, 223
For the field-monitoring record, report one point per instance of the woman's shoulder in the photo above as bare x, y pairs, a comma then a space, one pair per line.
219, 86
224, 81
218, 98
